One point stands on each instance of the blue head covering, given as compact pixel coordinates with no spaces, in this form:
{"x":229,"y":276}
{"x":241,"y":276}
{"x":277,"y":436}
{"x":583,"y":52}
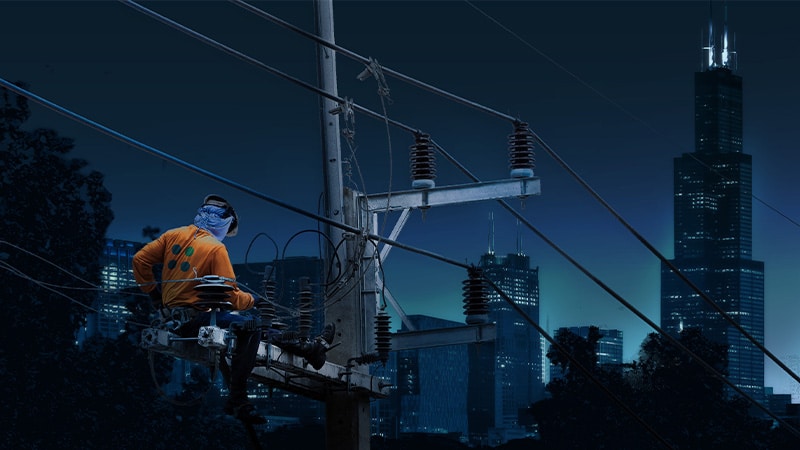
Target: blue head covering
{"x":209,"y":217}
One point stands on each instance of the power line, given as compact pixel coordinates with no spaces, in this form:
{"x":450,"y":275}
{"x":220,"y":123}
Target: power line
{"x":371,"y":236}
{"x":633,"y":231}
{"x":237,"y":54}
{"x":552,"y":153}
{"x":156,"y":152}
{"x":574,"y":361}
{"x":199,"y":170}
{"x":370,"y":61}
{"x":625,"y":303}
{"x":248,"y":59}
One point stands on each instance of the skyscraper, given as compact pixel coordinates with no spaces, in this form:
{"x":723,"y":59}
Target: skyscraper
{"x":505,"y":376}
{"x":713,"y":227}
{"x":429,"y":393}
{"x":116,"y":275}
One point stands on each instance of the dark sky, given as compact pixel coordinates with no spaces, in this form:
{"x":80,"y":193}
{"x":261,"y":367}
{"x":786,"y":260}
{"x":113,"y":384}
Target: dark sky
{"x":608,"y":85}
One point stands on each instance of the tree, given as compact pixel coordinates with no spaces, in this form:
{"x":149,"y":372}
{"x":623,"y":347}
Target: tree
{"x":702,"y":413}
{"x":681,"y":401}
{"x":54,"y":216}
{"x":580,"y":414}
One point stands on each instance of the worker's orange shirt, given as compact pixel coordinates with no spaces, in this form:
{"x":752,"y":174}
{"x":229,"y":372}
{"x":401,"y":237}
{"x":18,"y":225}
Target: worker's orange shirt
{"x":187,"y":253}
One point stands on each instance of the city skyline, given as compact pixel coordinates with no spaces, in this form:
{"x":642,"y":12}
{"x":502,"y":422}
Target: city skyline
{"x":614,"y":99}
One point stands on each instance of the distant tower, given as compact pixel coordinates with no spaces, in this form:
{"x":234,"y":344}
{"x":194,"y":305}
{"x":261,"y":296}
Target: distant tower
{"x":506,"y":375}
{"x":713,"y":227}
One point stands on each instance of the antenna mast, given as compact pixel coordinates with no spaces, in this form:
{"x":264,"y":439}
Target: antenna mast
{"x":491,"y":233}
{"x":710,"y":47}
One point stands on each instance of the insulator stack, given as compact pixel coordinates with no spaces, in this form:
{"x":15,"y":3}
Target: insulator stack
{"x":304,"y":320}
{"x":423,"y":162}
{"x":267,"y":309}
{"x":383,"y":336}
{"x":213,"y":290}
{"x":520,"y":151}
{"x":476,"y":299}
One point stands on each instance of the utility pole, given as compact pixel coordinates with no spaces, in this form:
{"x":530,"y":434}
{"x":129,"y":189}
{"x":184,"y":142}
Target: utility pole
{"x":352,"y":303}
{"x":347,"y":411}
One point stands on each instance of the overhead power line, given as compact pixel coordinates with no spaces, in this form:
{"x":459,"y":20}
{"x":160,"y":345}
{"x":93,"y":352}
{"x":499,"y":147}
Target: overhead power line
{"x":624,"y":302}
{"x":630,"y":228}
{"x":204,"y":172}
{"x":141,"y":146}
{"x":368,"y":61}
{"x":551,"y":152}
{"x":251,"y":60}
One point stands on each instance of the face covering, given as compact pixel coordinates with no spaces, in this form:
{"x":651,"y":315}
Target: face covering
{"x":209,"y":218}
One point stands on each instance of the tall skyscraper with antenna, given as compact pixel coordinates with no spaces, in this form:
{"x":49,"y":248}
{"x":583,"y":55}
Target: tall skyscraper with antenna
{"x":713,"y":226}
{"x":506,"y":375}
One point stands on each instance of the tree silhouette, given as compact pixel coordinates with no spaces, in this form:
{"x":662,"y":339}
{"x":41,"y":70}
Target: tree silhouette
{"x":669,"y":390}
{"x":54,"y":216}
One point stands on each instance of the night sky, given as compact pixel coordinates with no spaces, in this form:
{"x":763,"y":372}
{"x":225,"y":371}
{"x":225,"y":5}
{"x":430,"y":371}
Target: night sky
{"x":608,"y":85}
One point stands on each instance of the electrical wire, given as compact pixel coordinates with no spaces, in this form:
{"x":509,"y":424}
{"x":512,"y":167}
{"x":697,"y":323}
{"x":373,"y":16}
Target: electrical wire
{"x":3,"y":242}
{"x":668,"y":263}
{"x":355,"y":56}
{"x":19,"y":273}
{"x":103,"y":129}
{"x":54,"y":288}
{"x":708,"y":300}
{"x":620,"y":299}
{"x":636,"y":234}
{"x":575,"y":361}
{"x":237,"y":54}
{"x":212,"y":175}
{"x":614,"y":103}
{"x":267,"y":276}
{"x":367,"y":61}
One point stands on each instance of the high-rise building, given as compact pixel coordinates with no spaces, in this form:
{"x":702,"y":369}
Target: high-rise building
{"x":713,"y":228}
{"x":506,"y":376}
{"x":116,"y":276}
{"x":429,"y":393}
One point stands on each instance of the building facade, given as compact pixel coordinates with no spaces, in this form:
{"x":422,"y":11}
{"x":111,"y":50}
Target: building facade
{"x":713,"y":230}
{"x":429,"y":394}
{"x":116,"y":276}
{"x":506,"y":376}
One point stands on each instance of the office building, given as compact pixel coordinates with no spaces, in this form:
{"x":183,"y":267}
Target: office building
{"x":116,"y":276}
{"x":713,"y":228}
{"x":506,"y":376}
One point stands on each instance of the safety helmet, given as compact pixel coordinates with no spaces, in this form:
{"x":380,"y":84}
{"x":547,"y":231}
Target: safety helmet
{"x":216,"y":200}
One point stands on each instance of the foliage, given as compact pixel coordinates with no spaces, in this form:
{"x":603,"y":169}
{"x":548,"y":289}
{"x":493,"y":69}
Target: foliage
{"x":54,"y":218}
{"x":671,"y":399}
